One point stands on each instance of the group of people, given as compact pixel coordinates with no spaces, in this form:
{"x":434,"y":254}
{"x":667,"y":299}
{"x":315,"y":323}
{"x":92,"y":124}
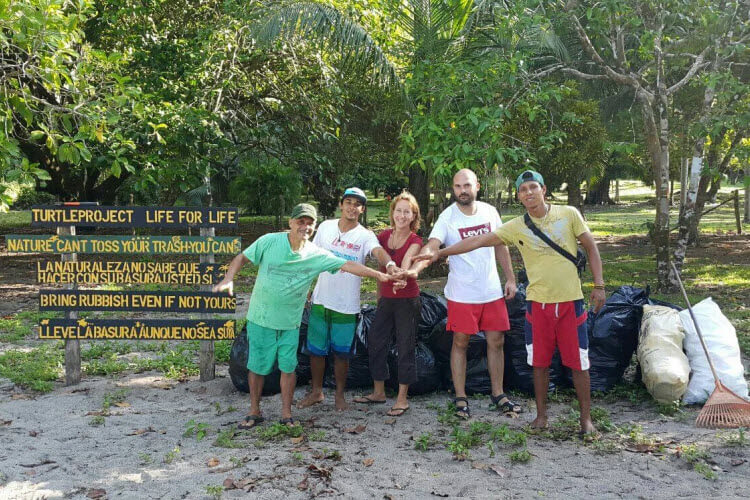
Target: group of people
{"x":472,"y":234}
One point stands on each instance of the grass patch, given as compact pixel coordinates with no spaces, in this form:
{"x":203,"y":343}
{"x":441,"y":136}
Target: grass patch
{"x":13,"y":329}
{"x":278,"y":431}
{"x":35,"y":369}
{"x":225,"y":439}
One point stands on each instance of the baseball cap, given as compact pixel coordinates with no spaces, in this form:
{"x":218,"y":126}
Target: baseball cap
{"x":355,"y":192}
{"x":304,"y":210}
{"x":529,"y":175}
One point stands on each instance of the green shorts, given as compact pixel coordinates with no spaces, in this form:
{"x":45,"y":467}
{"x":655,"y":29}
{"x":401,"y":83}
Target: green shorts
{"x":267,"y":345}
{"x":329,"y":330}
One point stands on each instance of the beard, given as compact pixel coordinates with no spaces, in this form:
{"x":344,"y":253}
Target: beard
{"x":465,"y":199}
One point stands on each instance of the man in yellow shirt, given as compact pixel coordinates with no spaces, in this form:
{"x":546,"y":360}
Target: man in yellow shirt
{"x":555,"y":313}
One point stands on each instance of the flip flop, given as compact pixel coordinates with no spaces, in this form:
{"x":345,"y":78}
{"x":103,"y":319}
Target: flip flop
{"x":397,"y":412}
{"x":367,"y":400}
{"x":289,"y":422}
{"x":250,"y":421}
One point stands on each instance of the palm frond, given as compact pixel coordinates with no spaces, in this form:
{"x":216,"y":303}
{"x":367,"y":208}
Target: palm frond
{"x":325,"y":24}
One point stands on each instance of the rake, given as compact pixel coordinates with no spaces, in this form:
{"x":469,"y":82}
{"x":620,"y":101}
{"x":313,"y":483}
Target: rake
{"x":724,"y":409}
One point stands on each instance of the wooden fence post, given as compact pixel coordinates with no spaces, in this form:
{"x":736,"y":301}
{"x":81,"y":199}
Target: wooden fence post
{"x":72,"y":346}
{"x":737,"y":210}
{"x":207,"y":364}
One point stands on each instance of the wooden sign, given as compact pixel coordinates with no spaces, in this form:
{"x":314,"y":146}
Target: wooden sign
{"x":108,"y":216}
{"x":105,"y":300}
{"x":132,"y":329}
{"x":123,"y":244}
{"x":135,"y":273}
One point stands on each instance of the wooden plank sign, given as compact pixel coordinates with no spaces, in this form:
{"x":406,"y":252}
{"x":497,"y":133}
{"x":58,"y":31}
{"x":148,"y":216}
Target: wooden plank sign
{"x":135,"y":273}
{"x":136,"y":329}
{"x":108,"y":216}
{"x":53,"y":243}
{"x":106,"y":300}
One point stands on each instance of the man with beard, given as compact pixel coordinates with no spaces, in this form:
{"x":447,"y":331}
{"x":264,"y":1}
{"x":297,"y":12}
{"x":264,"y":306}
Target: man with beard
{"x":476,"y":299}
{"x":336,"y":298}
{"x":287,"y":264}
{"x":555,"y":313}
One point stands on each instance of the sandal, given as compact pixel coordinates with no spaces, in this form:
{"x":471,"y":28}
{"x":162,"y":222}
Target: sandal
{"x":289,"y":422}
{"x":397,"y":412}
{"x":509,"y":407}
{"x":367,"y":400}
{"x":462,"y":411}
{"x":250,"y":421}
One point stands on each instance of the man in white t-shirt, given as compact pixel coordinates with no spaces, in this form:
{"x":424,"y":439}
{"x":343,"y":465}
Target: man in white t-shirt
{"x":476,"y":299}
{"x":336,"y":297}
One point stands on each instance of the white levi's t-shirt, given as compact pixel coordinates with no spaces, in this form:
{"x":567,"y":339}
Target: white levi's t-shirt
{"x":472,"y":277}
{"x":340,"y":292}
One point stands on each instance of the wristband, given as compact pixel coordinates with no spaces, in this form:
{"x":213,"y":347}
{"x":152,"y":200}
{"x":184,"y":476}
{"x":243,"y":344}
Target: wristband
{"x":599,"y":287}
{"x":389,"y":264}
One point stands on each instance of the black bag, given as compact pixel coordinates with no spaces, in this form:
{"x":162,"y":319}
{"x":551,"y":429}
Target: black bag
{"x":580,"y":258}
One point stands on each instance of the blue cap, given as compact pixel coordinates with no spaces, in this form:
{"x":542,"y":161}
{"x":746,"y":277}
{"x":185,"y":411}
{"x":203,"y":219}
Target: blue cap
{"x":529,"y":175}
{"x":355,"y":192}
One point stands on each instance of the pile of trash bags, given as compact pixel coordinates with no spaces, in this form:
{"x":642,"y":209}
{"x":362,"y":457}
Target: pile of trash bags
{"x":629,"y":323}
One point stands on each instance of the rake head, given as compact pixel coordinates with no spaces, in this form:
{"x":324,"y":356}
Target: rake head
{"x":724,"y":410}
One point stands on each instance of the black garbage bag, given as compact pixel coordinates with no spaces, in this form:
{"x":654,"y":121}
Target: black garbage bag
{"x":613,"y":335}
{"x":238,"y":368}
{"x":303,"y":359}
{"x":477,"y":377}
{"x":440,"y":342}
{"x":434,"y":310}
{"x":429,"y":371}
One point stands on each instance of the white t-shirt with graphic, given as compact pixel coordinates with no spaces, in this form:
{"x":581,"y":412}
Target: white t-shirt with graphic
{"x":472,"y":277}
{"x":340,"y":292}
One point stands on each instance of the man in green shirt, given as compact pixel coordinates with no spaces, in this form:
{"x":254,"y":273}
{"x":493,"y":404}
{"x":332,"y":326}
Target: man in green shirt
{"x":287,"y":265}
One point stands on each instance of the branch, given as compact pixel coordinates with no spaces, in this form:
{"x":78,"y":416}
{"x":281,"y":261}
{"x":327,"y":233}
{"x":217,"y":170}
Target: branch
{"x":697,"y":65}
{"x":584,"y":76}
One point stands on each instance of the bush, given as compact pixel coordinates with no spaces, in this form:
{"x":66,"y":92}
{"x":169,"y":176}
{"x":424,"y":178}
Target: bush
{"x":266,"y":188}
{"x":30,"y":197}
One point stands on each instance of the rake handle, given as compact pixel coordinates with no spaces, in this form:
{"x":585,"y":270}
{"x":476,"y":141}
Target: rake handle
{"x":695,"y":323}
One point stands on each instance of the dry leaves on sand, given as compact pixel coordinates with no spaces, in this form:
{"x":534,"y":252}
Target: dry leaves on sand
{"x":368,"y":462}
{"x":356,"y":430}
{"x":318,"y":471}
{"x":138,"y":432}
{"x":212,"y":462}
{"x":96,"y":493}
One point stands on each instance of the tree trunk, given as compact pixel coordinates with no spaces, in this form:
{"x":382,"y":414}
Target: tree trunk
{"x":688,"y":212}
{"x":599,"y":192}
{"x":419,"y":186}
{"x":574,"y":195}
{"x":747,"y":194}
{"x":657,"y":140}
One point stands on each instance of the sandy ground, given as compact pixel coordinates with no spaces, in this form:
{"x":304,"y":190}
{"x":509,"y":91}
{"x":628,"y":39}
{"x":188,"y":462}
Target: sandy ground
{"x":50,"y":450}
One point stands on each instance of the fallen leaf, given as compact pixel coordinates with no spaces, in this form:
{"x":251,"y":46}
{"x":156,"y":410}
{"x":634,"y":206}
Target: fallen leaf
{"x":213,"y":462}
{"x":162,"y":385}
{"x":228,"y":484}
{"x":33,"y":434}
{"x":6,"y":422}
{"x":303,"y":485}
{"x":243,"y":483}
{"x":738,"y":461}
{"x":390,"y":421}
{"x":297,"y":440}
{"x":96,"y":493}
{"x":500,"y":471}
{"x":356,"y":430}
{"x":138,"y":432}
{"x":641,"y":448}
{"x":479,"y":465}
{"x":20,"y":396}
{"x":323,"y":472}
{"x":368,"y":462}
{"x":122,"y":404}
{"x":99,"y":413}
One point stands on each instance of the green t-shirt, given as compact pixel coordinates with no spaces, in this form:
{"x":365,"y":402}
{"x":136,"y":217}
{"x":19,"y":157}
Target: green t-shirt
{"x":552,"y":277}
{"x":284,"y":278}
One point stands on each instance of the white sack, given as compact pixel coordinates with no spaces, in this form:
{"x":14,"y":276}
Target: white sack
{"x":664,"y":366}
{"x":721,"y":339}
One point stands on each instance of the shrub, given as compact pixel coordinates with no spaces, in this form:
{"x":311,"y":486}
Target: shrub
{"x":260,"y":188}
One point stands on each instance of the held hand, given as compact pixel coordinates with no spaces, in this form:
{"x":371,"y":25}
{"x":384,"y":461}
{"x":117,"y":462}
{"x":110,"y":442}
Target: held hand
{"x":598,"y":297}
{"x":510,"y":289}
{"x":432,"y":257}
{"x":398,"y":285}
{"x":394,"y":270}
{"x":224,"y":285}
{"x":384,"y":278}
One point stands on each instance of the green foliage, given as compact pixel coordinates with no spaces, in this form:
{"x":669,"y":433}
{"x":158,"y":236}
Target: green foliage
{"x":424,"y":442}
{"x":35,"y":369}
{"x":214,"y":490}
{"x":171,"y":456}
{"x":13,"y":329}
{"x":278,"y":431}
{"x":198,"y":429}
{"x":520,"y":456}
{"x":225,"y":439}
{"x":266,"y":188}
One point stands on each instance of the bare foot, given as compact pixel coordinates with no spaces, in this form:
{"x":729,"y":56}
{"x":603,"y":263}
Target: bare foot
{"x":539,"y":423}
{"x":341,"y":404}
{"x":587,"y":428}
{"x":310,"y":399}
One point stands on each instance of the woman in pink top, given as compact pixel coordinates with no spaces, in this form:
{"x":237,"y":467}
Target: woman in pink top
{"x":399,"y":308}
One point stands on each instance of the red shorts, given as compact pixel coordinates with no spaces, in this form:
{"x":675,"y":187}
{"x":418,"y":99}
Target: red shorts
{"x":473,"y":318}
{"x":563,"y":325}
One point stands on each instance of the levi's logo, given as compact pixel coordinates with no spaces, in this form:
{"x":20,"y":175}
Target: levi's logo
{"x":466,"y":232}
